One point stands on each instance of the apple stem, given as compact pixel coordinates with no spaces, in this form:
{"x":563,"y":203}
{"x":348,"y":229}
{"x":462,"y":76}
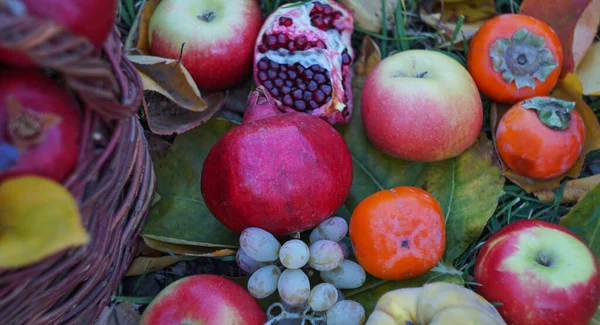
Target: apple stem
{"x":208,"y":17}
{"x":543,"y":259}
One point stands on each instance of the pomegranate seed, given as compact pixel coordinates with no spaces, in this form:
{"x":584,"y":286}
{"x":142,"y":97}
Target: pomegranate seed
{"x":282,"y":75}
{"x":308,"y":74}
{"x":285,"y":90}
{"x":299,"y":67}
{"x":307,"y":96}
{"x":297,"y":94}
{"x":327,"y":21}
{"x":313,"y":104}
{"x":291,"y":46}
{"x":284,"y":68}
{"x":263,"y":64}
{"x":337,"y":15}
{"x":282,"y":39}
{"x":326,"y":89}
{"x":301,"y":42}
{"x":275,"y":92}
{"x":346,"y":58}
{"x":327,"y":9}
{"x":268,"y":84}
{"x":274,"y":65}
{"x":319,"y":97}
{"x":312,"y":85}
{"x":272,"y":74}
{"x":317,"y":8}
{"x":316,"y":68}
{"x":285,"y":21}
{"x":292,"y":74}
{"x":262,"y":76}
{"x":289,"y":83}
{"x":278,"y":82}
{"x":262,"y":48}
{"x":319,"y":78}
{"x":300,"y":105}
{"x":301,"y":84}
{"x":320,"y":44}
{"x":271,"y":41}
{"x":317,"y":21}
{"x":327,"y":99}
{"x":287,"y":100}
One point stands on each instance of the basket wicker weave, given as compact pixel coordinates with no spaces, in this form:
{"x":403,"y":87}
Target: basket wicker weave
{"x":113,"y":182}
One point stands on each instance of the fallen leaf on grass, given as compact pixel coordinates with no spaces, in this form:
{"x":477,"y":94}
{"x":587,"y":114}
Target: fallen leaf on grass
{"x":138,"y":35}
{"x":368,"y":13}
{"x":181,"y":216}
{"x":573,"y":192}
{"x":38,"y":217}
{"x":584,"y":220}
{"x":588,"y":71}
{"x":564,"y":16}
{"x":570,"y":89}
{"x":143,"y":264}
{"x":369,"y":57}
{"x":187,"y":250}
{"x":467,"y":187}
{"x":444,"y":16}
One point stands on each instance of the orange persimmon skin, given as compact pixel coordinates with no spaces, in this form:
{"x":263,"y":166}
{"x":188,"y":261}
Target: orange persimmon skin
{"x":482,"y":70}
{"x":532,"y":149}
{"x":398,"y":233}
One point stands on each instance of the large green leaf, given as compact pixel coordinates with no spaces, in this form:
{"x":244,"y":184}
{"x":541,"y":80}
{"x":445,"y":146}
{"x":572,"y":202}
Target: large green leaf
{"x":467,"y":187}
{"x":181,"y":216}
{"x":584,"y":220}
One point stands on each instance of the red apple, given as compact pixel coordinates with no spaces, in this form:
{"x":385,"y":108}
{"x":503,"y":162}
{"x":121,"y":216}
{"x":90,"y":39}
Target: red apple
{"x":91,"y":19}
{"x":421,"y":105}
{"x":204,"y":299}
{"x":541,"y":273}
{"x":219,"y":37}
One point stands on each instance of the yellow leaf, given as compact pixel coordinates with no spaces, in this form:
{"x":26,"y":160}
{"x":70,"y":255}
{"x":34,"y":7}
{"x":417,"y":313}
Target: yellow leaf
{"x":585,"y":31}
{"x":574,"y":190}
{"x":443,"y":16}
{"x":138,"y":35}
{"x":188,"y":250}
{"x":370,"y":56}
{"x":568,"y":88}
{"x":588,"y":71}
{"x":144,"y":264}
{"x":38,"y":217}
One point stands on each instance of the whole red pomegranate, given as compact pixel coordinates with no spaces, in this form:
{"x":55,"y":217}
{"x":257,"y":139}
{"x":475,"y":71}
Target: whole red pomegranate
{"x":279,"y":171}
{"x":39,"y":120}
{"x":91,"y":19}
{"x":303,"y":56}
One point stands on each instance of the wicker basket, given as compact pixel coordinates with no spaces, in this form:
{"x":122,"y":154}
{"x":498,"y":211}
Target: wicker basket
{"x":113,"y":182}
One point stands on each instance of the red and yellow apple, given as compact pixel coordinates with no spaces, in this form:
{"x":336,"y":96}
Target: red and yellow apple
{"x":219,"y":37}
{"x":204,"y":299}
{"x":421,"y":105}
{"x":540,"y":273}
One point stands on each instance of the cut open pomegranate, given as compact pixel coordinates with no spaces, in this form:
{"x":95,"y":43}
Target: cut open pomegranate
{"x":303,"y":57}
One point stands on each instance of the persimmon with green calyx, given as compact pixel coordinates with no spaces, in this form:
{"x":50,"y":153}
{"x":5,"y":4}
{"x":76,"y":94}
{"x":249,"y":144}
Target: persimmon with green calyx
{"x":540,"y":138}
{"x":514,"y":57}
{"x":40,"y":126}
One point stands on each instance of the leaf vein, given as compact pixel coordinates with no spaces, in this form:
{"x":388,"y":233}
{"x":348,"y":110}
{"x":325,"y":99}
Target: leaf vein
{"x":451,"y":191}
{"x":359,"y":164}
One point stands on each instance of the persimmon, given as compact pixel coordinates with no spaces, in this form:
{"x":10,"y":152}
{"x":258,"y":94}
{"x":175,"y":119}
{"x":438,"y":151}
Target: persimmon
{"x":514,"y":57}
{"x":541,"y":137}
{"x":398,"y":233}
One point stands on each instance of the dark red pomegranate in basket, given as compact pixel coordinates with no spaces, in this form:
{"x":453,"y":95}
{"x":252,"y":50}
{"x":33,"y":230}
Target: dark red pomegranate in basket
{"x":303,"y":57}
{"x":280,"y":171}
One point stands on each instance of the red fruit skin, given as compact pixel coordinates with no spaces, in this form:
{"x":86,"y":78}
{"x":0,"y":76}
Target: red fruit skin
{"x":91,"y":19}
{"x":214,"y":64}
{"x":283,"y":173}
{"x":204,"y":299}
{"x":526,"y":300}
{"x":57,"y":155}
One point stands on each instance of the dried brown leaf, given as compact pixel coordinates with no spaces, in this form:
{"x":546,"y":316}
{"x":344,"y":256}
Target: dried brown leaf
{"x":138,"y":35}
{"x":367,"y":13}
{"x":585,"y":31}
{"x":143,"y":264}
{"x":573,"y":192}
{"x":588,"y":71}
{"x":119,"y":314}
{"x":369,"y":57}
{"x":444,"y":15}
